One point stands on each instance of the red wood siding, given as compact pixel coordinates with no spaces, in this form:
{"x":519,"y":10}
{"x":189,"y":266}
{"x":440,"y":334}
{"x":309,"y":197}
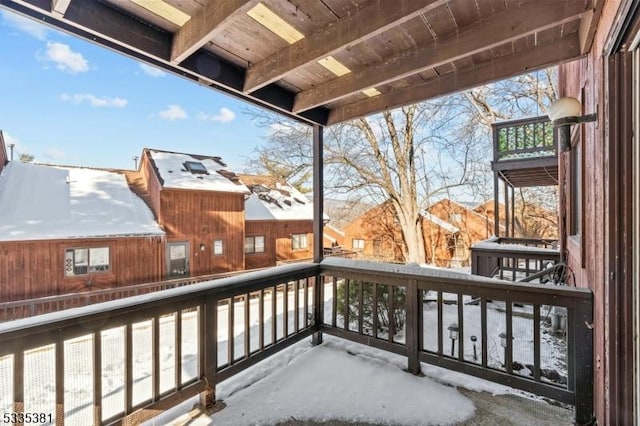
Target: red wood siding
{"x":30,"y":269}
{"x":588,"y":256}
{"x":277,"y":242}
{"x":200,"y":217}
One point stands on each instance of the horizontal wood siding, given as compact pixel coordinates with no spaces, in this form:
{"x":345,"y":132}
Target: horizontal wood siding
{"x":30,"y":269}
{"x":199,"y":218}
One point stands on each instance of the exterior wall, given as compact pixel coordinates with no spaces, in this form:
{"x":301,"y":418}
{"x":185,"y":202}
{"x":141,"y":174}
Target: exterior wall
{"x":473,"y":226}
{"x":30,"y":269}
{"x":277,"y":240}
{"x":4,"y":158}
{"x":383,"y":238}
{"x":487,"y":209}
{"x":589,"y":255}
{"x":152,"y":182}
{"x":200,"y":217}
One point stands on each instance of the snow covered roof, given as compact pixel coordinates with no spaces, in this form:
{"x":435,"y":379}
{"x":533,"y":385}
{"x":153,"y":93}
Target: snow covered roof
{"x":441,"y":223}
{"x":174,"y":170}
{"x":272,"y":200}
{"x":48,"y":202}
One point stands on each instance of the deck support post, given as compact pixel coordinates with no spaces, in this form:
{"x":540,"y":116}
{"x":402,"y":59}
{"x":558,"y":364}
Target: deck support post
{"x":413,"y":326}
{"x":581,"y":335}
{"x":318,"y":227}
{"x":208,"y":349}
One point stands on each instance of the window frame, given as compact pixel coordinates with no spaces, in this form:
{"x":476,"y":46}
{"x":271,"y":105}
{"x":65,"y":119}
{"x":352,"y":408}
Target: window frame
{"x":298,"y":246}
{"x":213,"y":247}
{"x":253,"y":244}
{"x":90,"y":269}
{"x":353,"y":245}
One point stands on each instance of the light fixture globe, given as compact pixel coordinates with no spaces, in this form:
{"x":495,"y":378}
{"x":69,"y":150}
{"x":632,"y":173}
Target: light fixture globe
{"x":565,"y":107}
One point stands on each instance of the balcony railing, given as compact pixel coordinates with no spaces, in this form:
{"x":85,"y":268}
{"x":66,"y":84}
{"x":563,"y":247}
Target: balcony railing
{"x":524,"y":139}
{"x":513,"y":259}
{"x":126,"y":360}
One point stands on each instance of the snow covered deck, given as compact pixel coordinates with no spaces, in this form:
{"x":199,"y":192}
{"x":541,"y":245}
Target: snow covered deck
{"x":134,"y":358}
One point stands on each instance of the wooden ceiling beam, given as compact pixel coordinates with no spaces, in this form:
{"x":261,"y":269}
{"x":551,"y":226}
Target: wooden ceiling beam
{"x":202,"y":26}
{"x":348,"y":31}
{"x":483,"y":35}
{"x":497,"y":69}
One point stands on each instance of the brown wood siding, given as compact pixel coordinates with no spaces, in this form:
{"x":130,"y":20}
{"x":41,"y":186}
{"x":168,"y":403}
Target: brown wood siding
{"x":152,"y":182}
{"x":277,"y":242}
{"x":30,"y":269}
{"x":589,"y":255}
{"x":200,"y":217}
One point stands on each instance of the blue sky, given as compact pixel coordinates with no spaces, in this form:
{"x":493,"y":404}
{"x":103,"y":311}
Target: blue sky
{"x":67,"y":101}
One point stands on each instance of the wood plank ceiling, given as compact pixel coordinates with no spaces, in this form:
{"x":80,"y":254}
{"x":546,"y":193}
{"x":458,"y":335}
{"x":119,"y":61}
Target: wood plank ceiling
{"x":326,"y":61}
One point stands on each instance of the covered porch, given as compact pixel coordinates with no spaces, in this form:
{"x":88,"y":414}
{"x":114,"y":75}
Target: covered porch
{"x":319,"y":63}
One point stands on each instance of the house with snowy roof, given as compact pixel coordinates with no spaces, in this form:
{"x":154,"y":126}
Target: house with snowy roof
{"x":278,"y":222}
{"x":199,"y":203}
{"x":376,"y":235}
{"x":71,"y":229}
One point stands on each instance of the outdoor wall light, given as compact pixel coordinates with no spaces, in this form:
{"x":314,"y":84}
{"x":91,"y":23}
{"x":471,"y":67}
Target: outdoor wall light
{"x":565,"y":112}
{"x":202,"y":247}
{"x":453,"y":335}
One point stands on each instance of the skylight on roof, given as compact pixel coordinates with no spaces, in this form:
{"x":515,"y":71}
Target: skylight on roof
{"x":196,"y":167}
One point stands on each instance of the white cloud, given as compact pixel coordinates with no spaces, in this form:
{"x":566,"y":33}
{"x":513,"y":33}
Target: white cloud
{"x":152,"y":71}
{"x":55,"y":154}
{"x":173,"y":112}
{"x":66,"y":59}
{"x":225,"y":115}
{"x":24,"y":25}
{"x":94,"y":101}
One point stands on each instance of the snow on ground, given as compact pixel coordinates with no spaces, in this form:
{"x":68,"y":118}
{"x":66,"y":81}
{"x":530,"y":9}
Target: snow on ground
{"x":46,"y":202}
{"x":337,"y":380}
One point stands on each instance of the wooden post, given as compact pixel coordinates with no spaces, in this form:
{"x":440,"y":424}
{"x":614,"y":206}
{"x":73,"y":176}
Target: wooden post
{"x":582,"y":361}
{"x":318,"y":225}
{"x":208,"y":336}
{"x":413,"y":326}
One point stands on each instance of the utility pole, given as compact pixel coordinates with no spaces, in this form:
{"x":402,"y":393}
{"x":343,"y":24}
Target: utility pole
{"x":11,"y":145}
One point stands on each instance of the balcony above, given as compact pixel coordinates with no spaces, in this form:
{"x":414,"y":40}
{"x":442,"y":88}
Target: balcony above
{"x":525,"y":152}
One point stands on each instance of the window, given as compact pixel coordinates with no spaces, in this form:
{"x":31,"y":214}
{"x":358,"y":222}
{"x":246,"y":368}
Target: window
{"x":455,"y":217}
{"x":85,"y":261}
{"x":196,"y":167}
{"x":298,"y":241}
{"x":218,"y":247}
{"x":575,"y":222}
{"x":357,"y":244}
{"x":254,"y":244}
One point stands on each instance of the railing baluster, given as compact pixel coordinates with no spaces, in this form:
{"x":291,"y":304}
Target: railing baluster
{"x":508,"y":361}
{"x":230,"y":330}
{"x":360,"y":307}
{"x":440,"y":324}
{"x":274,"y":314}
{"x":59,"y":368}
{"x":18,"y":381}
{"x":285,"y":310}
{"x":334,"y":313}
{"x":413,"y":307}
{"x":460,"y":328}
{"x":97,"y":378}
{"x":208,"y":349}
{"x":261,"y":321}
{"x":347,"y":303}
{"x":128,"y":380}
{"x":178,"y":350}
{"x":536,"y":342}
{"x":375,"y":310}
{"x":306,"y":302}
{"x":247,"y":327}
{"x":483,"y":326}
{"x":155,"y":357}
{"x":296,"y":302}
{"x":392,"y":311}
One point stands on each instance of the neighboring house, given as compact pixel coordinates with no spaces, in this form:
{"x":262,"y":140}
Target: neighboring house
{"x":4,"y":159}
{"x":200,"y":205}
{"x":487,"y":209}
{"x":473,"y":226}
{"x":531,"y":220}
{"x":71,"y":229}
{"x":376,"y":235}
{"x":278,"y":223}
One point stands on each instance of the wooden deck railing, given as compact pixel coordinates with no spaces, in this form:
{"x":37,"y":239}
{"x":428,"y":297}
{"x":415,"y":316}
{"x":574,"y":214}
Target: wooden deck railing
{"x":25,"y":308}
{"x":126,"y":360}
{"x":513,"y":258}
{"x":522,"y":139}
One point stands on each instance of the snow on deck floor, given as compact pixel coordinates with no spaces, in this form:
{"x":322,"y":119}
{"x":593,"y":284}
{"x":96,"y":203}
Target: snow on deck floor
{"x":338,"y":380}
